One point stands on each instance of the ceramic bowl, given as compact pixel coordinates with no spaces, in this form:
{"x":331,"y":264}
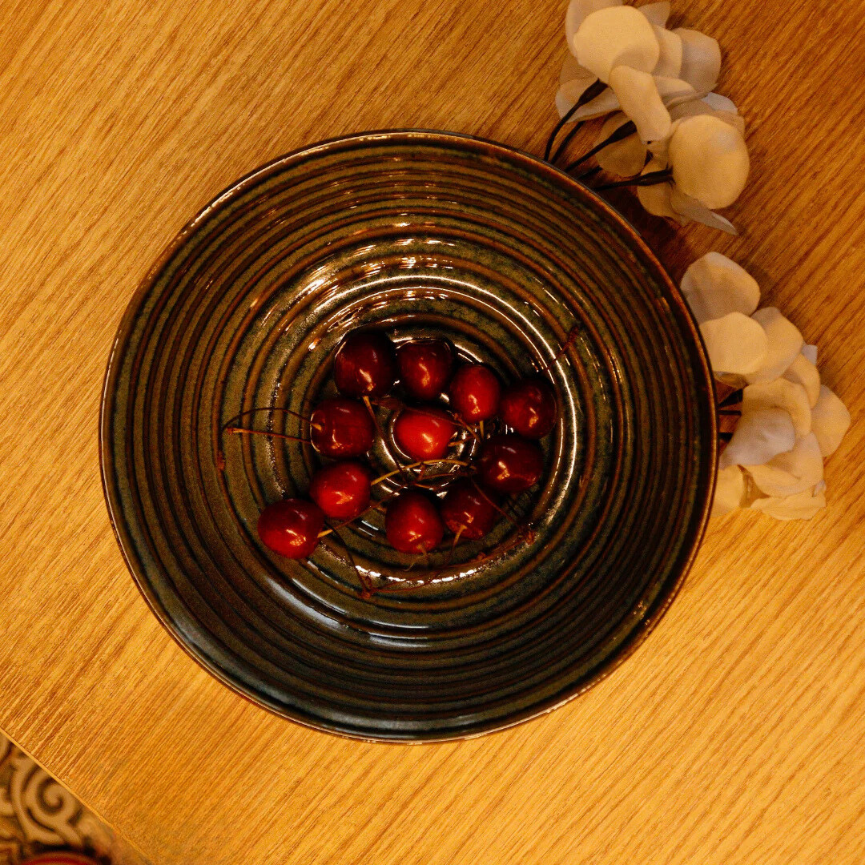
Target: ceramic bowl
{"x":418,"y":233}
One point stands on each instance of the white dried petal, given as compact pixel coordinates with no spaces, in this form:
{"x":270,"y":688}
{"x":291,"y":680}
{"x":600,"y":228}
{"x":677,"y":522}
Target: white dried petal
{"x":715,"y":286}
{"x":638,"y":95}
{"x":784,"y":341}
{"x":801,"y":506}
{"x":658,"y":149}
{"x":684,"y":95}
{"x":577,"y":12}
{"x":670,"y":87}
{"x":624,"y":158}
{"x":674,"y":92}
{"x":657,"y":13}
{"x":694,"y":107}
{"x":571,"y":70}
{"x":759,"y":437}
{"x":709,"y":159}
{"x":784,"y":394}
{"x":611,"y":124}
{"x":670,"y":60}
{"x":570,"y":92}
{"x":734,"y":343}
{"x":803,"y":372}
{"x":616,"y":36}
{"x":694,"y":211}
{"x":791,"y":472}
{"x":720,"y":103}
{"x":729,"y":491}
{"x":603,"y":103}
{"x":656,"y":198}
{"x":673,"y":89}
{"x":810,"y":352}
{"x":701,"y":58}
{"x":830,"y":420}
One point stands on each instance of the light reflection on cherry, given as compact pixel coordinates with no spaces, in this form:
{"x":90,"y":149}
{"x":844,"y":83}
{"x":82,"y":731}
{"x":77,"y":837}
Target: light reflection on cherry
{"x":425,"y":367}
{"x":413,"y":523}
{"x":475,"y":392}
{"x":341,"y":428}
{"x":342,"y":490}
{"x":424,"y":433}
{"x":291,"y":527}
{"x":529,"y":407}
{"x":365,"y":364}
{"x":510,"y":464}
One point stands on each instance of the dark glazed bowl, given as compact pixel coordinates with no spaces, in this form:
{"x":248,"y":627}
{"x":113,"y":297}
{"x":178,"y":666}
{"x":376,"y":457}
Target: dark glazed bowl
{"x":418,"y":233}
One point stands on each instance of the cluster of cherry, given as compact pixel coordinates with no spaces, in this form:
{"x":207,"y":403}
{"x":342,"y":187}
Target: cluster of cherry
{"x":366,"y":368}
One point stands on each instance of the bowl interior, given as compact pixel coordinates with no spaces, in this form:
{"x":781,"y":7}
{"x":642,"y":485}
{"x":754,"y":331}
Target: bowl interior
{"x":420,"y":234}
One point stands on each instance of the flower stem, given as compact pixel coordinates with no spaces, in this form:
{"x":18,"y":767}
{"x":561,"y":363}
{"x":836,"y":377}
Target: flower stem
{"x":594,"y":90}
{"x":625,"y":130}
{"x":650,"y":179}
{"x":590,"y":173}
{"x":235,"y":430}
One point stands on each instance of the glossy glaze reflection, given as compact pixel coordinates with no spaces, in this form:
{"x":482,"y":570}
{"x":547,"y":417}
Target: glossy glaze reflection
{"x":424,"y":234}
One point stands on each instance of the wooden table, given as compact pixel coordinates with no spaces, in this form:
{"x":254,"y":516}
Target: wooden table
{"x":733,"y":736}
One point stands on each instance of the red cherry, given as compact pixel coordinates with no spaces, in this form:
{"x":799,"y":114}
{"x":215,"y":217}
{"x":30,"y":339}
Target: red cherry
{"x":365,"y":364}
{"x":341,"y":428}
{"x":424,"y":434}
{"x":291,"y":527}
{"x":425,"y":367}
{"x":412,"y":523}
{"x":529,"y":408}
{"x":342,"y":490}
{"x":510,"y":464}
{"x":475,"y":392}
{"x":469,"y":510}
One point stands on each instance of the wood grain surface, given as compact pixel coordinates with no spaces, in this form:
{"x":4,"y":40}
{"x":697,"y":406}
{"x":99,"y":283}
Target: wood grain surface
{"x":734,"y":735}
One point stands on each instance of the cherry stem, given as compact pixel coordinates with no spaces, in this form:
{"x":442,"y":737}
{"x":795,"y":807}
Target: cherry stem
{"x":573,"y":333}
{"x":373,"y":415}
{"x":504,"y":513}
{"x":384,"y":477}
{"x":421,"y":463}
{"x":380,"y":431}
{"x":398,"y":405}
{"x":417,"y":583}
{"x":325,"y":532}
{"x":237,"y":417}
{"x":525,"y":534}
{"x":367,"y":588}
{"x":516,"y":516}
{"x":454,"y":543}
{"x":236,"y":430}
{"x":452,"y":475}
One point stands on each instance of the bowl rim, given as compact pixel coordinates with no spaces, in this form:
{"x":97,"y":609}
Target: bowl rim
{"x":489,"y":147}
